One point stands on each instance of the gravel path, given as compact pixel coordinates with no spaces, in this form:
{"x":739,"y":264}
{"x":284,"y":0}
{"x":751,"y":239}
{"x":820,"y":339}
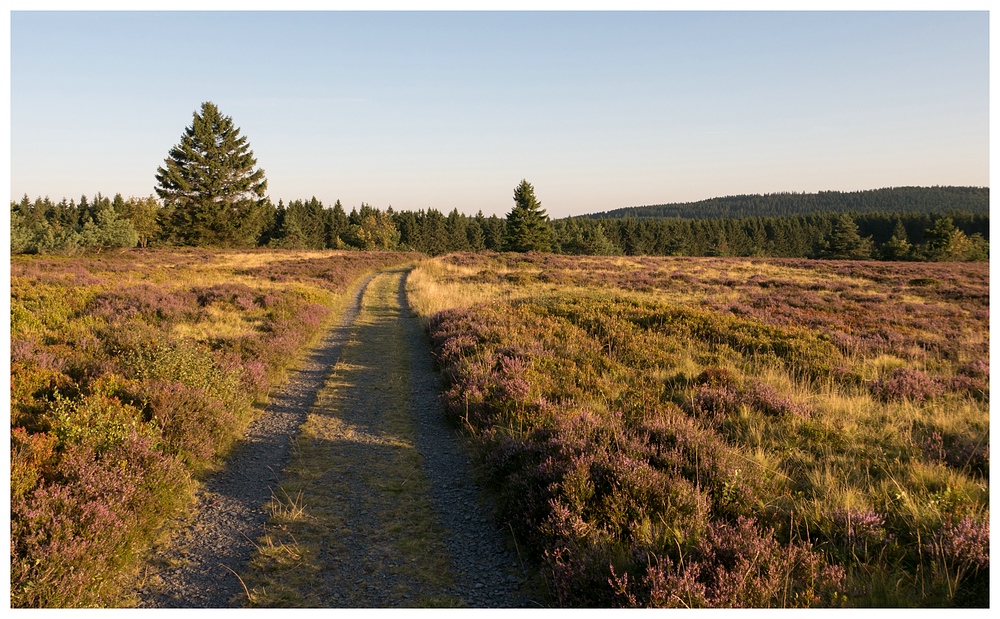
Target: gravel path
{"x":486,"y":572}
{"x":361,"y":565}
{"x":200,"y":569}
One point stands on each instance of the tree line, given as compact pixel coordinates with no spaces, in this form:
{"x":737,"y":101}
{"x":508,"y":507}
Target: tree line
{"x":67,"y":226}
{"x":210,"y":193}
{"x":926,"y":200}
{"x":888,"y":236}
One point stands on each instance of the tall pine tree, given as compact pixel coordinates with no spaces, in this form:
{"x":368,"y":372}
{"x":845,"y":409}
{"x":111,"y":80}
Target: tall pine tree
{"x":210,"y":183}
{"x":527,"y":224}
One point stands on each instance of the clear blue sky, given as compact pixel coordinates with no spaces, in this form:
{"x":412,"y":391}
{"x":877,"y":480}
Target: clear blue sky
{"x":444,"y":110}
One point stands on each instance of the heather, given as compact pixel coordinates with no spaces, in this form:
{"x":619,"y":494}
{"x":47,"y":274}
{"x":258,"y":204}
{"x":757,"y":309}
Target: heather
{"x":720,"y":432}
{"x":132,"y":375}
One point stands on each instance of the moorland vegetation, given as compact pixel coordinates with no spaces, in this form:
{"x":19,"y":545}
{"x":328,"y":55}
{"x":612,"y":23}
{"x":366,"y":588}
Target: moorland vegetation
{"x":722,"y":432}
{"x":132,"y":374}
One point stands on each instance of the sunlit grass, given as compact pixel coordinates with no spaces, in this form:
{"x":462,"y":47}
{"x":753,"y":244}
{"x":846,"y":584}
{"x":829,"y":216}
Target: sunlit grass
{"x":133,"y":374}
{"x":815,"y":396}
{"x":219,"y":323}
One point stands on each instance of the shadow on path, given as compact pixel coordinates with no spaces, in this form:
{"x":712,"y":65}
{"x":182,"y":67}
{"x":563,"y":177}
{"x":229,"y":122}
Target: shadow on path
{"x":200,"y":569}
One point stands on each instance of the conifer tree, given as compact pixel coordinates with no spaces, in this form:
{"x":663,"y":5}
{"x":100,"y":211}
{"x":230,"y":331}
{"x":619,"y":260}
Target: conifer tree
{"x":337,"y":226}
{"x":844,"y":240}
{"x":597,"y":243}
{"x":211,"y":185}
{"x":493,"y":231}
{"x":433,"y":233}
{"x":941,"y":239}
{"x":527,"y":224}
{"x":458,"y":239}
{"x":474,"y":235}
{"x":898,"y":247}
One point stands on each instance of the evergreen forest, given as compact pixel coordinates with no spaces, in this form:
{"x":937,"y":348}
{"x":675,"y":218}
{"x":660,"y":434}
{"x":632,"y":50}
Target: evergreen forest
{"x":917,"y":224}
{"x":889,"y":199}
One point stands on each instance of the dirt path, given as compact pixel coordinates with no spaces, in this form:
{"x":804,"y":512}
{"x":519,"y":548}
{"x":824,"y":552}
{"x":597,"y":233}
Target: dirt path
{"x":377,"y":505}
{"x":199,"y":569}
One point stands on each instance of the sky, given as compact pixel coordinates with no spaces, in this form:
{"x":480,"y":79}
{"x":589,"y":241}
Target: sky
{"x":443,"y":109}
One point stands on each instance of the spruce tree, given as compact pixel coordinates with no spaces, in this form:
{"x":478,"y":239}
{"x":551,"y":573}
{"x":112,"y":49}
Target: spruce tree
{"x":337,"y":226}
{"x":434,"y":233}
{"x":898,"y":247}
{"x":493,"y":231}
{"x":844,"y":240}
{"x":527,"y":224}
{"x":210,"y":183}
{"x":474,"y":235}
{"x":455,"y":225}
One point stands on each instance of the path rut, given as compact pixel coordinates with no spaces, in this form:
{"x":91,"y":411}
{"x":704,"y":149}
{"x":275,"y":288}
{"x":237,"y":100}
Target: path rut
{"x":360,"y":565}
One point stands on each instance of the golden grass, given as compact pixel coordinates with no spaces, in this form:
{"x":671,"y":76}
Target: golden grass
{"x":432,"y":287}
{"x":254,"y":259}
{"x":220,"y":323}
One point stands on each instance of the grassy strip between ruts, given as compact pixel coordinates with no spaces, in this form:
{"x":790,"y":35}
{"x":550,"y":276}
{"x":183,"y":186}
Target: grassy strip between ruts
{"x":355,"y":475}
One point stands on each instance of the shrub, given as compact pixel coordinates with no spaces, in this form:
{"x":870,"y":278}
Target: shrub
{"x":906,"y":384}
{"x":90,"y":519}
{"x":146,"y":301}
{"x":240,"y":295}
{"x":735,"y":566}
{"x":961,"y":557}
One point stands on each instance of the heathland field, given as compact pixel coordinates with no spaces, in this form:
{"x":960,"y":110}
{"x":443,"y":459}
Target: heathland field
{"x":725,"y":431}
{"x":711,"y":432}
{"x":132,"y":374}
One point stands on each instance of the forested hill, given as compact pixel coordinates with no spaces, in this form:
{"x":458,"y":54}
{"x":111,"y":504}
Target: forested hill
{"x":925,"y":200}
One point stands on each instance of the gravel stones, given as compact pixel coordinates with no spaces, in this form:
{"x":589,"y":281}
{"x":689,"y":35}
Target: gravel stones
{"x":200,"y":570}
{"x":487,"y":573}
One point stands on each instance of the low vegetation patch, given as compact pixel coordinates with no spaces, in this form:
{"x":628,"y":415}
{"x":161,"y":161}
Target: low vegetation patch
{"x":726,"y":432}
{"x":132,"y":374}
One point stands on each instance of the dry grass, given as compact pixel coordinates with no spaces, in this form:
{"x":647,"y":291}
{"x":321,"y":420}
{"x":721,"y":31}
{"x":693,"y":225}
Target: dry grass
{"x":103,"y":343}
{"x":219,"y":323}
{"x":855,"y":448}
{"x":434,"y":286}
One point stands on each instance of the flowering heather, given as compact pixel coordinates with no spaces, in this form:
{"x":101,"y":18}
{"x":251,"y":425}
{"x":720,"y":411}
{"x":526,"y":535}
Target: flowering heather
{"x":907,"y":384}
{"x":965,"y":544}
{"x":965,"y":452}
{"x":719,"y":401}
{"x":700,"y":432}
{"x":130,"y":375}
{"x":583,"y":480}
{"x":118,"y":495}
{"x":858,"y":531}
{"x":334,"y":272}
{"x":736,"y":566}
{"x":240,"y":295}
{"x":146,"y":302}
{"x":980,"y":368}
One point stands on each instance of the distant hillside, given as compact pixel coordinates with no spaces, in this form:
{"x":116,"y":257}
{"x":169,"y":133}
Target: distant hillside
{"x":892,"y":200}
